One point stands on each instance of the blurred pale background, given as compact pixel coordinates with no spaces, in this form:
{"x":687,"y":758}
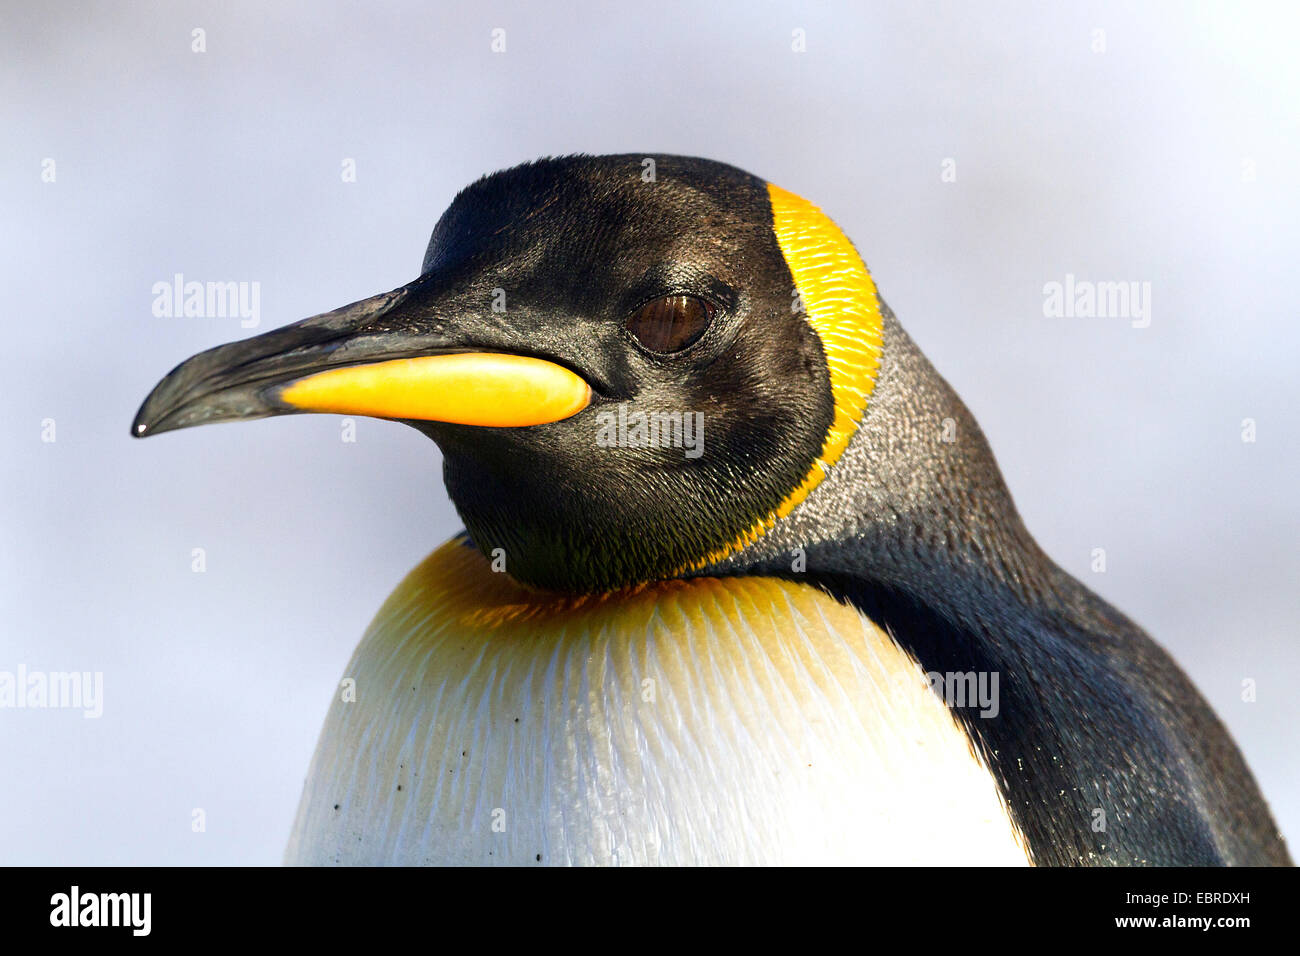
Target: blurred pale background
{"x":1170,"y":157}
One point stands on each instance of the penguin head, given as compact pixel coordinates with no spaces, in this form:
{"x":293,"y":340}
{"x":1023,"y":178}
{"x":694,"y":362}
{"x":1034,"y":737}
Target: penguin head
{"x":633,"y":365}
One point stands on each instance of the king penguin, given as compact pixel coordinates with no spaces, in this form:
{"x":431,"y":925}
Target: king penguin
{"x":741,"y":582}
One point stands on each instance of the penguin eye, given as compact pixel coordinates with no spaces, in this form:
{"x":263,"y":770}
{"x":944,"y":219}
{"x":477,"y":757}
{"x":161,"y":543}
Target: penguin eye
{"x":671,"y":323}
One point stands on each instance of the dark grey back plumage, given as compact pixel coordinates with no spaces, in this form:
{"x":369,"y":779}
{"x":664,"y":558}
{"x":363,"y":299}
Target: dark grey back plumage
{"x":1095,"y":719}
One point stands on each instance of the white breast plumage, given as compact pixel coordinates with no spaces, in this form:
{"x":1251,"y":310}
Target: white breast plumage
{"x":713,"y":721}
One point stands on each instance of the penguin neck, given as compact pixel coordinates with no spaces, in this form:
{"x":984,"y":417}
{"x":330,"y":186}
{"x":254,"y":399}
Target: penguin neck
{"x":916,"y":501}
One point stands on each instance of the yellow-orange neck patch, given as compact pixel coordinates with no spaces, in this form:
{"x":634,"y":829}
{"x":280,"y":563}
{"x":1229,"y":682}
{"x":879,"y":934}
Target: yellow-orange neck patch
{"x":840,"y":303}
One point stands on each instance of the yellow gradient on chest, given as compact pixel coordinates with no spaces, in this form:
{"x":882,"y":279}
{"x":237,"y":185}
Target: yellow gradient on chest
{"x":840,"y":303}
{"x":716,"y":720}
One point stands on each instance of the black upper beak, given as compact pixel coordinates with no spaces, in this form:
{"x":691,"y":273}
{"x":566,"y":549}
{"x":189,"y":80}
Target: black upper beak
{"x":240,"y":381}
{"x":428,"y":350}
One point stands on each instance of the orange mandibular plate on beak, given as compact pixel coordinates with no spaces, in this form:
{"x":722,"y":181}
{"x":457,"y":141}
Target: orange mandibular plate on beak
{"x":471,"y":388}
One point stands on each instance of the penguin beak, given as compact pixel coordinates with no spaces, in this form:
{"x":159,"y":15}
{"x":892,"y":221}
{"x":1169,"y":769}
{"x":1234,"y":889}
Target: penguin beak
{"x":364,"y":359}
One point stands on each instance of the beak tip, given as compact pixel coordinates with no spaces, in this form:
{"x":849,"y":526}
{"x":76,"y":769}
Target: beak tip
{"x":148,"y":422}
{"x":141,"y":427}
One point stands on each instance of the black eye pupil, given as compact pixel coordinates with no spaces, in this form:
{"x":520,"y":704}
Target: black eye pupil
{"x":671,"y":323}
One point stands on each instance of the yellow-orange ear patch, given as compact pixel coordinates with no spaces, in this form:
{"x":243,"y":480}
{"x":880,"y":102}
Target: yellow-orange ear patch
{"x":840,"y":303}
